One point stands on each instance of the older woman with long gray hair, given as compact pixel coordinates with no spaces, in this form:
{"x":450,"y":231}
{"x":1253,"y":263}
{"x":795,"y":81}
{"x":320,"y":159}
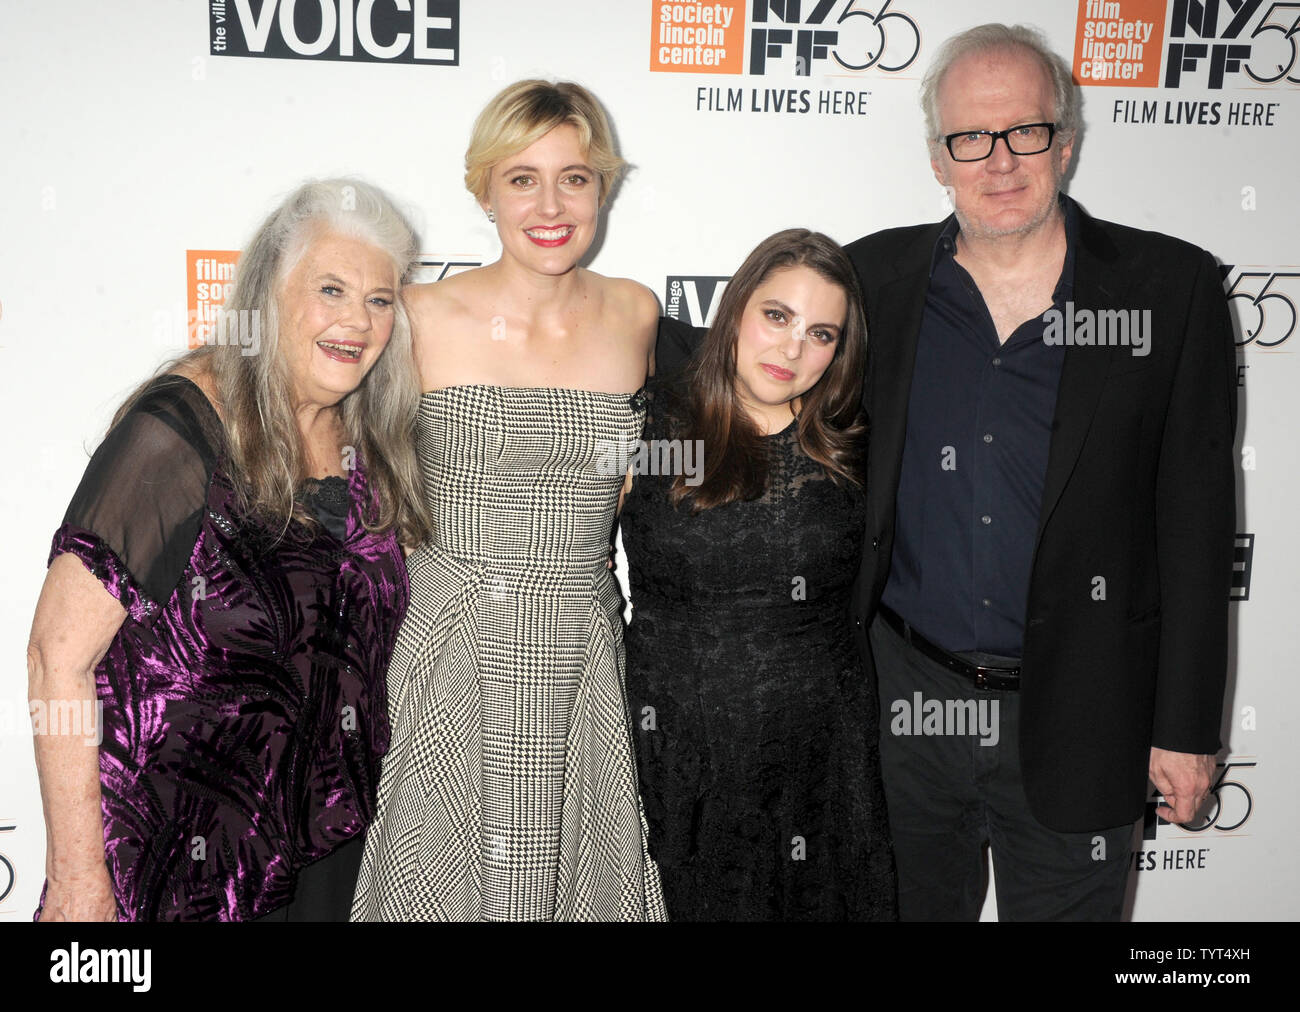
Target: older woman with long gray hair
{"x":227,"y":584}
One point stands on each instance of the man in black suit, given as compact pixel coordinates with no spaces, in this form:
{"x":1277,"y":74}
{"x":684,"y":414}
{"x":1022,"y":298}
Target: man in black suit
{"x":1051,"y":492}
{"x":1044,"y":587}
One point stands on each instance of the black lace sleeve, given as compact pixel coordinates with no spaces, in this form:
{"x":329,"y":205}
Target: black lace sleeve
{"x":666,"y":397}
{"x":143,"y":494}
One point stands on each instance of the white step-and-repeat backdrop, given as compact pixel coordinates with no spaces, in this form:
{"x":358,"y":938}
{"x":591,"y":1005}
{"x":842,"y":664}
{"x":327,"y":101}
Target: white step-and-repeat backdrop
{"x":144,"y":140}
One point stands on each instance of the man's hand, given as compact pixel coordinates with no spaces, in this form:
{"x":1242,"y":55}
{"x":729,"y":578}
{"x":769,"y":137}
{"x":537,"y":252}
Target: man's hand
{"x":1184,"y":780}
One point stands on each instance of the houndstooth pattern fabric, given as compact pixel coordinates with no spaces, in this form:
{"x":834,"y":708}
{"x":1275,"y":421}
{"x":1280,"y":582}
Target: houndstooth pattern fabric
{"x":509,"y":789}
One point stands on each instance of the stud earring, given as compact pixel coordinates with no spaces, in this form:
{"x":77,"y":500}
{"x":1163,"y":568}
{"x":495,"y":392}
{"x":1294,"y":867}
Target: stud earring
{"x":492,"y":216}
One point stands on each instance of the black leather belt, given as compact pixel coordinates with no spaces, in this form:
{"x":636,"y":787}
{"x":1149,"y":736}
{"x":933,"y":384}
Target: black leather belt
{"x":983,"y":677}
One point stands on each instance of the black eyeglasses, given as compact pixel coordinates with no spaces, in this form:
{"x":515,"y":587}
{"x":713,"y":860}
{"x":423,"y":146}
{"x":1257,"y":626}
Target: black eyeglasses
{"x":976,"y":145}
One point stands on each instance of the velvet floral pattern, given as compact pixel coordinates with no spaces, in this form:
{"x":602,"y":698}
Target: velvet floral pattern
{"x":245,"y":716}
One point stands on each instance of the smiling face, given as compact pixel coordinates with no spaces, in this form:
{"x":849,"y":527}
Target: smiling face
{"x":336,"y":316}
{"x":786,"y":339}
{"x":1005,"y":194}
{"x":547,"y":200}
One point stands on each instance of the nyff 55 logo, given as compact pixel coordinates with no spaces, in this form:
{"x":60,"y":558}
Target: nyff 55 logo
{"x":1226,"y":810}
{"x":848,"y":35}
{"x":1265,"y":303}
{"x":368,"y":31}
{"x":1243,"y":557}
{"x":7,"y":874}
{"x":1211,"y":41}
{"x":785,"y":37}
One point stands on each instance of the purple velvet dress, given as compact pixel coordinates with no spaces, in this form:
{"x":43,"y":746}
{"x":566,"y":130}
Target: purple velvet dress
{"x":245,"y":711}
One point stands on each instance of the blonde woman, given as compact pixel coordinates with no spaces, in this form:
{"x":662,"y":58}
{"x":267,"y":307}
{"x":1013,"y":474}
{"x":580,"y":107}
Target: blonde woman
{"x":510,"y":792}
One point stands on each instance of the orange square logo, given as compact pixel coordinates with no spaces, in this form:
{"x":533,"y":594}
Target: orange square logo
{"x":209,"y":277}
{"x":1118,"y":43}
{"x":695,"y":37}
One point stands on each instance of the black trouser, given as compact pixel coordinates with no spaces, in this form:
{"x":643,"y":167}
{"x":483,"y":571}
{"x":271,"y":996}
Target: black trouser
{"x":949,"y":795}
{"x":324,"y":889}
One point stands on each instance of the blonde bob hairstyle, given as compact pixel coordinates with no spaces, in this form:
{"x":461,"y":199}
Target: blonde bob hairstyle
{"x":525,"y":112}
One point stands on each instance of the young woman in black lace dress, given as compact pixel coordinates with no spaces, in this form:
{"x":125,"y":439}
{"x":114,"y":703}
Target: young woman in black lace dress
{"x":755,"y":725}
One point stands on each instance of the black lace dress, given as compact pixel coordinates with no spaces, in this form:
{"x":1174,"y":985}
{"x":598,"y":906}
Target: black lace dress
{"x":755,"y":725}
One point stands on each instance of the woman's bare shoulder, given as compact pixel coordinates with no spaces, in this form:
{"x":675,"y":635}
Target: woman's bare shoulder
{"x":456,"y":294}
{"x":627,"y":299}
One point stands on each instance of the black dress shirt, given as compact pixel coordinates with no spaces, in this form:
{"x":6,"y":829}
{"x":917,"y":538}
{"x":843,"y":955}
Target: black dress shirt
{"x":979,"y":422}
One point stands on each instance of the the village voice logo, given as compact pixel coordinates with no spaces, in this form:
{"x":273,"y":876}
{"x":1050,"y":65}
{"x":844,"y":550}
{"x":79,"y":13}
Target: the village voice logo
{"x":365,"y":31}
{"x":694,"y":299}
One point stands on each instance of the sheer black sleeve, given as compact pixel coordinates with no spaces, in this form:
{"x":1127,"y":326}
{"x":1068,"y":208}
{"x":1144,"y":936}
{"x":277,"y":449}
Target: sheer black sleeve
{"x":667,"y":395}
{"x":136,"y":515}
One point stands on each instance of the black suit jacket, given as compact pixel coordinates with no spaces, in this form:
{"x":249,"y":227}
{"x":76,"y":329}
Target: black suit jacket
{"x":1140,"y":490}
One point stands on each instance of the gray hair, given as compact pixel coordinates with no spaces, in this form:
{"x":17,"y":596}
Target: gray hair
{"x":350,"y":207}
{"x":264,"y":451}
{"x":994,"y":38}
{"x":379,"y":416}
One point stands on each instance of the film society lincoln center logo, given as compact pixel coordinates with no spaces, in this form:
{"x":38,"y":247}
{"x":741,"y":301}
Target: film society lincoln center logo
{"x":1211,"y":44}
{"x":366,"y":31}
{"x":209,"y":279}
{"x":803,"y":38}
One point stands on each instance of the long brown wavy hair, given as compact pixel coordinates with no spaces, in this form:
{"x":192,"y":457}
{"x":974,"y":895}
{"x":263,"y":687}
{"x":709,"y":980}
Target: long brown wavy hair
{"x":830,"y":427}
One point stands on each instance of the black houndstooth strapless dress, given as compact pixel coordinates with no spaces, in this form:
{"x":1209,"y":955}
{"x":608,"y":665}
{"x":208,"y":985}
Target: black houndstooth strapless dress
{"x":509,"y":789}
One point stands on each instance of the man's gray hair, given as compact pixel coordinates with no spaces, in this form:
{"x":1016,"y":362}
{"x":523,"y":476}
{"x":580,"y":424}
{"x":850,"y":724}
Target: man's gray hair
{"x":993,"y":38}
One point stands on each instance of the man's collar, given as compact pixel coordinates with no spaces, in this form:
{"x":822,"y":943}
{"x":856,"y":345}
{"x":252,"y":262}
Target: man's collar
{"x":946,"y":244}
{"x":1070,"y":210}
